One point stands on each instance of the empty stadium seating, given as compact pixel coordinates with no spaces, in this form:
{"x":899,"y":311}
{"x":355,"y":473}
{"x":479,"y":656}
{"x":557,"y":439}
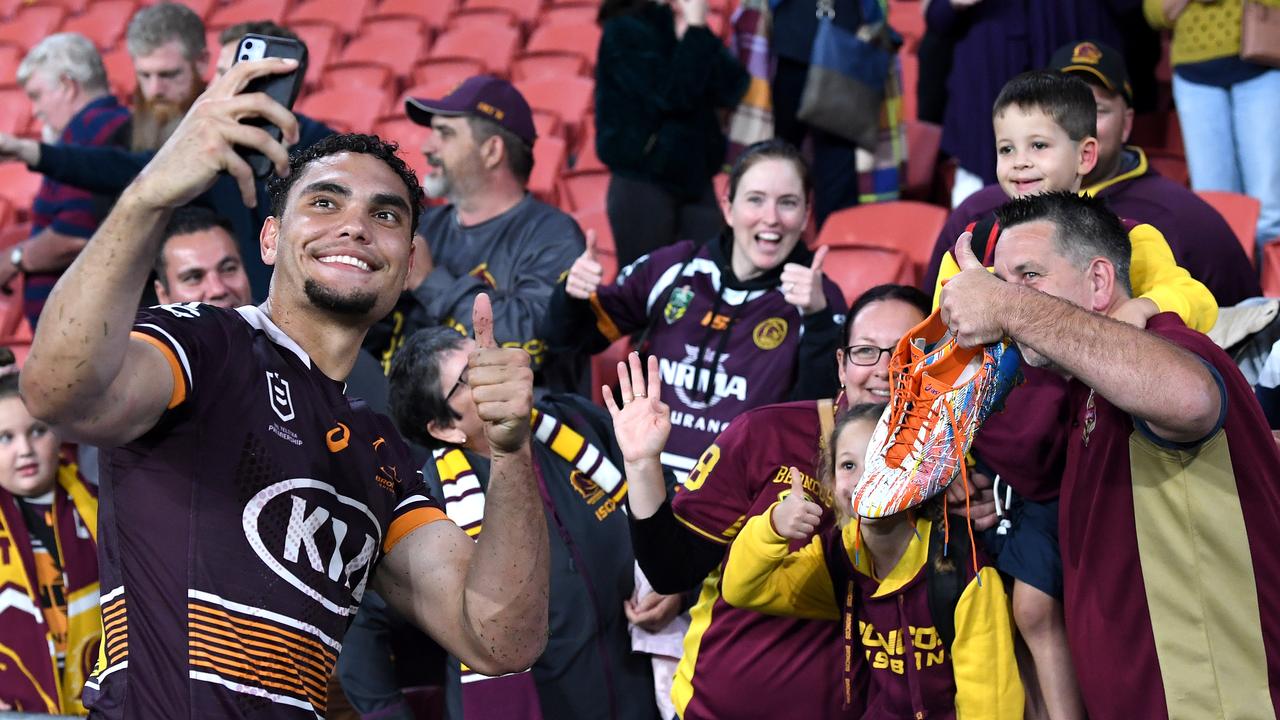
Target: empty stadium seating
{"x":1241,"y":213}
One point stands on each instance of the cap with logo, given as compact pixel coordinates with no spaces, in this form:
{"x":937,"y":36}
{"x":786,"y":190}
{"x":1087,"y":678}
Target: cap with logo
{"x":483,"y":96}
{"x":1098,"y":61}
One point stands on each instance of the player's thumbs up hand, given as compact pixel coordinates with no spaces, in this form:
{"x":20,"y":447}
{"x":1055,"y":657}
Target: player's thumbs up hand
{"x":796,"y":517}
{"x":501,"y":384}
{"x":587,"y":272}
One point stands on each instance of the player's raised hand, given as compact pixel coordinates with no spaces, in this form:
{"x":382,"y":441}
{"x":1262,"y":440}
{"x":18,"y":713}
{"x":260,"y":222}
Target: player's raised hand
{"x":643,"y":423}
{"x":204,"y":144}
{"x":802,"y":286}
{"x":587,"y":272}
{"x":796,"y":517}
{"x":501,"y":384}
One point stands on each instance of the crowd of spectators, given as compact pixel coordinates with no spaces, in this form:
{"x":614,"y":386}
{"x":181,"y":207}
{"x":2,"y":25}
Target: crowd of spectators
{"x":277,"y":444}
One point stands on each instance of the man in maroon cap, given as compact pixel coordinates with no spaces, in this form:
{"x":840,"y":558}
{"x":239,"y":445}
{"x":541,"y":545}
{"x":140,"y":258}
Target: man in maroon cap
{"x":492,"y":236}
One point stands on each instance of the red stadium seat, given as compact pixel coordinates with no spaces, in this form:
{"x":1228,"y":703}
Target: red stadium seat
{"x":434,"y":14}
{"x":910,"y":83}
{"x":245,"y":11}
{"x":395,"y":53}
{"x":10,"y":59}
{"x":924,"y":140}
{"x":525,"y":11}
{"x":346,"y":15}
{"x":120,"y":73}
{"x":15,"y":111}
{"x":31,"y":25}
{"x":548,"y":161}
{"x":445,"y":72}
{"x":906,"y":226}
{"x":857,"y":269}
{"x":103,"y":22}
{"x":1170,"y":165}
{"x":9,"y":7}
{"x":203,"y":8}
{"x":322,"y":41}
{"x":586,"y":159}
{"x":575,"y":13}
{"x":1271,"y":268}
{"x":358,"y":75}
{"x":410,"y":136}
{"x":19,"y":186}
{"x":547,"y":125}
{"x":908,"y":19}
{"x":492,"y":47}
{"x":395,"y":27}
{"x":568,"y":97}
{"x":482,"y":17}
{"x":535,"y":66}
{"x":350,"y":109}
{"x":581,"y":192}
{"x":1241,"y":213}
{"x":582,"y":39}
{"x":6,"y":213}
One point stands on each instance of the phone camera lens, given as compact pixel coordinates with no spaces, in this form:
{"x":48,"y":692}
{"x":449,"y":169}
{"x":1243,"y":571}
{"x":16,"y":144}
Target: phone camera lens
{"x":244,"y":57}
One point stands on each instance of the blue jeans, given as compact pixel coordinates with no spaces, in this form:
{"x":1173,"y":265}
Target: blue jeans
{"x":1231,"y":141}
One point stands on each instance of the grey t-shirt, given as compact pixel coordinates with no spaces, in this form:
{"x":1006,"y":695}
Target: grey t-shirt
{"x":517,"y":258}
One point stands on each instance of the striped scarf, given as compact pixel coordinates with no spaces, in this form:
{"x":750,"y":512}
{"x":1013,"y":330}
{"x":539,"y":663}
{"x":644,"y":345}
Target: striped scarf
{"x":29,"y":676}
{"x":752,"y":120}
{"x":514,"y":696}
{"x":881,"y":173}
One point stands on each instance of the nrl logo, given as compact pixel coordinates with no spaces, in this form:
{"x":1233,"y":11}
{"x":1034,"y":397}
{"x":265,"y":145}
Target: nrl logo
{"x":677,"y":304}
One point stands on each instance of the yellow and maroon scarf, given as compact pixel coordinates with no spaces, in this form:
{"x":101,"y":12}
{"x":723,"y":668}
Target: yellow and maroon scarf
{"x":29,"y":675}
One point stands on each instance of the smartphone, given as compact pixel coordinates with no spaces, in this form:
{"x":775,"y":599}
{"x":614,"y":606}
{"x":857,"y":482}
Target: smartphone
{"x":281,"y":88}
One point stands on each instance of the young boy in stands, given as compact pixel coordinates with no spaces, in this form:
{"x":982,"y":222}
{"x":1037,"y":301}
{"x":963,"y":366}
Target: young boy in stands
{"x":49,"y":622}
{"x":1046,"y":139}
{"x":1201,"y":240}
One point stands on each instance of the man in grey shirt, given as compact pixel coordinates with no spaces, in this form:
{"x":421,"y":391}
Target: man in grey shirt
{"x":493,"y":236}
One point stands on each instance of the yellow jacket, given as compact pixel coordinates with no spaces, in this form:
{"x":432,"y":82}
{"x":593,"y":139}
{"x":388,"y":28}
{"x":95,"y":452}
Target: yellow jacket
{"x":761,"y":575}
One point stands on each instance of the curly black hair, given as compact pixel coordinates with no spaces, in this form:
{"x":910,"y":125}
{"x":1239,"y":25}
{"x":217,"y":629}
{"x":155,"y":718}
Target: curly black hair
{"x":373,"y":145}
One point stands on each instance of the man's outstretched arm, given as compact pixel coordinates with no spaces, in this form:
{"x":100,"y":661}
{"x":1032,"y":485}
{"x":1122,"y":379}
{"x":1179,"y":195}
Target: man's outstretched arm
{"x":485,"y":601}
{"x":85,"y":375}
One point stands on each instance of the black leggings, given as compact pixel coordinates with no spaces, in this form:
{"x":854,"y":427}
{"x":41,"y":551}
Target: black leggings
{"x":645,"y":217}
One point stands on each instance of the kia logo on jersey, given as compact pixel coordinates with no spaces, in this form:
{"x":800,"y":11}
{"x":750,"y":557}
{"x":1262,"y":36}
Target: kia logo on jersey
{"x":314,"y":538}
{"x":279,"y":396}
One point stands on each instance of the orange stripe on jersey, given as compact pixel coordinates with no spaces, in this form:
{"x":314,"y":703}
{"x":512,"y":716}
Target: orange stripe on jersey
{"x":283,"y":673}
{"x":209,"y":663}
{"x":179,"y":380}
{"x":235,"y":645}
{"x":409,"y":522}
{"x":714,"y":538}
{"x":604,"y":323}
{"x":319,"y":654}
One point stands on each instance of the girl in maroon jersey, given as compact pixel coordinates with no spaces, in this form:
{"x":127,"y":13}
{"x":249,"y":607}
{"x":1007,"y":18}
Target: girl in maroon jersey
{"x":887,"y":575}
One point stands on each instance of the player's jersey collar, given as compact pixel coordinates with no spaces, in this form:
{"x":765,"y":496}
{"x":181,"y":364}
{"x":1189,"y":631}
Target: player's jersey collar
{"x":253,"y":315}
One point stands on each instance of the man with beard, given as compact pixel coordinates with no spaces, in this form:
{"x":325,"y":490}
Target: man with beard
{"x":246,"y":502}
{"x":493,"y":236}
{"x":167,"y":43}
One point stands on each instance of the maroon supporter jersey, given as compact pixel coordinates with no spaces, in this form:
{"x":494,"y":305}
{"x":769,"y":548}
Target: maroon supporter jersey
{"x":1169,"y":556}
{"x":238,"y":535}
{"x":740,"y":663}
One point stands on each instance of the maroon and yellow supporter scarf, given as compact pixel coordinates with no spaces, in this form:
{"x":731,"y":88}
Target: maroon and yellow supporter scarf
{"x":29,"y":676}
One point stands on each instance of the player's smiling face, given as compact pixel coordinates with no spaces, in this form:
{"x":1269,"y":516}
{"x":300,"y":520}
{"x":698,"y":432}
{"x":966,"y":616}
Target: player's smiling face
{"x":344,"y":239}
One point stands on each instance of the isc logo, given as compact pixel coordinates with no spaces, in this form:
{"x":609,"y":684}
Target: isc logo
{"x":326,"y":541}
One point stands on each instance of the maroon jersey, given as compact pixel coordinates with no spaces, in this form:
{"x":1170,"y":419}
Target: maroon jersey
{"x":1164,"y":549}
{"x":740,"y":663}
{"x":238,"y":535}
{"x":724,"y":346}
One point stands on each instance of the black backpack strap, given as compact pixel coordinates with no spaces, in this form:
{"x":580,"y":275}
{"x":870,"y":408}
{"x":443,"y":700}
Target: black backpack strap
{"x":945,"y":586}
{"x":985,"y":232}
